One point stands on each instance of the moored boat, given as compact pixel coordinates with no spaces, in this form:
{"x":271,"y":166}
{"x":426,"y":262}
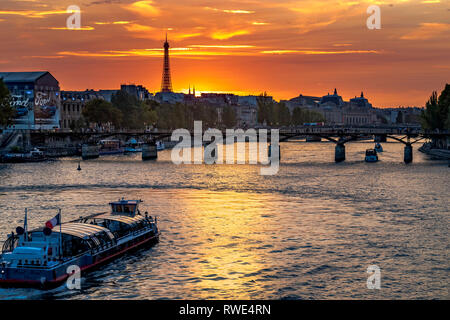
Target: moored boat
{"x":160,"y":145}
{"x":108,"y":147}
{"x":34,"y":155}
{"x":133,"y":146}
{"x":378,"y":148}
{"x":42,"y":257}
{"x":371,"y":155}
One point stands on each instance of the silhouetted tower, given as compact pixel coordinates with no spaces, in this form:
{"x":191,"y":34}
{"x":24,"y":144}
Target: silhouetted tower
{"x":166,"y":84}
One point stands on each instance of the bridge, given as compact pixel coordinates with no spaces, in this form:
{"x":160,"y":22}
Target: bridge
{"x":340,"y":135}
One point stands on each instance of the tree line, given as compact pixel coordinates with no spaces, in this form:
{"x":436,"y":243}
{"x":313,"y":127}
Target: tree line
{"x":7,"y":112}
{"x":126,"y":111}
{"x":436,"y":114}
{"x":278,"y":114}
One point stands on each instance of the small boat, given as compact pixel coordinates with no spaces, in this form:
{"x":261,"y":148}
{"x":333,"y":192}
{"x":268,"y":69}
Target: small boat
{"x":371,"y":155}
{"x":133,"y":146}
{"x":160,"y":145}
{"x":110,"y":147}
{"x":378,"y":148}
{"x":34,"y":155}
{"x":42,"y":257}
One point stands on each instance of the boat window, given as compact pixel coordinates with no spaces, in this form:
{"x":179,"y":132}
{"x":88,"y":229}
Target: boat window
{"x":117,"y":208}
{"x":95,"y":240}
{"x":91,"y":243}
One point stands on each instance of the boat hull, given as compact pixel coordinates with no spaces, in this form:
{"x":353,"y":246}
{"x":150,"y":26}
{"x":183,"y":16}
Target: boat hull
{"x":48,"y":278}
{"x":371,"y":159}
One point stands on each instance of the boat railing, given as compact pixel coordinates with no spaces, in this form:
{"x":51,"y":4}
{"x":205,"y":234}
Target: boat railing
{"x":10,"y":243}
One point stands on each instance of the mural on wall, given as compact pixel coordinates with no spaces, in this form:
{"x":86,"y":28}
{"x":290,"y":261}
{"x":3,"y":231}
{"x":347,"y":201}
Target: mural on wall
{"x":23,"y":103}
{"x":46,"y":111}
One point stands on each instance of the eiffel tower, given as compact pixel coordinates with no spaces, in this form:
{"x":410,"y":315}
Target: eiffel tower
{"x":166,"y":84}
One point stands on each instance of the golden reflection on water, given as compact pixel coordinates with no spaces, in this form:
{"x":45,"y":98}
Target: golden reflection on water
{"x":228,"y":224}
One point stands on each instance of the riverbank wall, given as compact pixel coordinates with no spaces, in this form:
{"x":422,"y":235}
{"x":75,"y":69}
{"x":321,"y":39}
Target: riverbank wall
{"x":435,"y":153}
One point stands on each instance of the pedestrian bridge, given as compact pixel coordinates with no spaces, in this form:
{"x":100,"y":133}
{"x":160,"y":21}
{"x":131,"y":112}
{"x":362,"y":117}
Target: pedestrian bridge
{"x":339,"y":135}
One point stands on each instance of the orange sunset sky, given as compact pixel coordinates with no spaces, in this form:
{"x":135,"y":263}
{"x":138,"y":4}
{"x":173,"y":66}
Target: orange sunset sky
{"x":284,"y":47}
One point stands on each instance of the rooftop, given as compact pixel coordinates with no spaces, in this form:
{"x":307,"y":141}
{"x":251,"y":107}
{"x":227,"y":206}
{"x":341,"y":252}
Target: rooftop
{"x":22,"y":76}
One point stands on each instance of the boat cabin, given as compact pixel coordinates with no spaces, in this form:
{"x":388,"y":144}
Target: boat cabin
{"x":125,"y":207}
{"x":109,"y":145}
{"x":38,"y":249}
{"x":371,"y":152}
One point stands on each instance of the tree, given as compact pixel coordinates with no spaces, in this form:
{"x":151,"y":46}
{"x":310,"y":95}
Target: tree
{"x":436,"y":113}
{"x":149,"y":115}
{"x":447,"y":125}
{"x":7,"y":112}
{"x":102,"y":112}
{"x":130,"y":108}
{"x":297,"y":116}
{"x":284,"y":115}
{"x":399,"y":118}
{"x":266,"y":108}
{"x":229,"y":117}
{"x":301,"y":116}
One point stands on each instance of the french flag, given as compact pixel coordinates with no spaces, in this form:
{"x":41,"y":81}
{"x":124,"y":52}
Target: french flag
{"x":53,"y":222}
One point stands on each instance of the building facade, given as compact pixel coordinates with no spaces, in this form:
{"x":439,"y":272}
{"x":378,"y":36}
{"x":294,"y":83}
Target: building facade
{"x":72,"y":105}
{"x":36,"y":99}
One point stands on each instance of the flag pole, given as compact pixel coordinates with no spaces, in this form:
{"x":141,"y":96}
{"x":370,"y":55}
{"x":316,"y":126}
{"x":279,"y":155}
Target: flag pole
{"x":60,"y":234}
{"x":25,"y":225}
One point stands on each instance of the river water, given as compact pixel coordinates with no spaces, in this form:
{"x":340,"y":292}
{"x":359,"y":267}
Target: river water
{"x":309,"y":232}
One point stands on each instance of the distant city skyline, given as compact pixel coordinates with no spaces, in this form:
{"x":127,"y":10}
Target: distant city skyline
{"x":284,"y":47}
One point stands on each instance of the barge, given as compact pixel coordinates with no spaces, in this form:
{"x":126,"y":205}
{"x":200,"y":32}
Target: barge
{"x":43,"y":257}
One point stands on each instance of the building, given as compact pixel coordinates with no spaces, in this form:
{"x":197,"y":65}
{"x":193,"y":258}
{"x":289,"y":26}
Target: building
{"x":138,"y":91}
{"x":302,"y":102}
{"x":72,"y":105}
{"x":107,"y":94}
{"x":247,"y":115}
{"x":36,"y":98}
{"x":332,"y":99}
{"x":358,"y":116}
{"x":361,"y":102}
{"x":169,"y":97}
{"x":219,"y":99}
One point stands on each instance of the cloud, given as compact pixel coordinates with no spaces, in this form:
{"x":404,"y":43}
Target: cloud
{"x":223,"y":35}
{"x":186,"y":35}
{"x":230,"y":11}
{"x":144,"y":8}
{"x":32,"y":13}
{"x":193,"y":51}
{"x":427,"y":31}
{"x":221,"y":46}
{"x":135,"y":27}
{"x":319,"y":52}
{"x":104,"y":2}
{"x":87,"y":28}
{"x":113,"y":22}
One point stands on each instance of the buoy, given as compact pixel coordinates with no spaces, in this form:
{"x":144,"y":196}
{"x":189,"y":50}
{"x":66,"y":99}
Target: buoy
{"x":79,"y":167}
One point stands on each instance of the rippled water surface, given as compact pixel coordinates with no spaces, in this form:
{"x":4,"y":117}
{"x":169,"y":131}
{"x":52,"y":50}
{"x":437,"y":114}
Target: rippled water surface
{"x":309,"y":232}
